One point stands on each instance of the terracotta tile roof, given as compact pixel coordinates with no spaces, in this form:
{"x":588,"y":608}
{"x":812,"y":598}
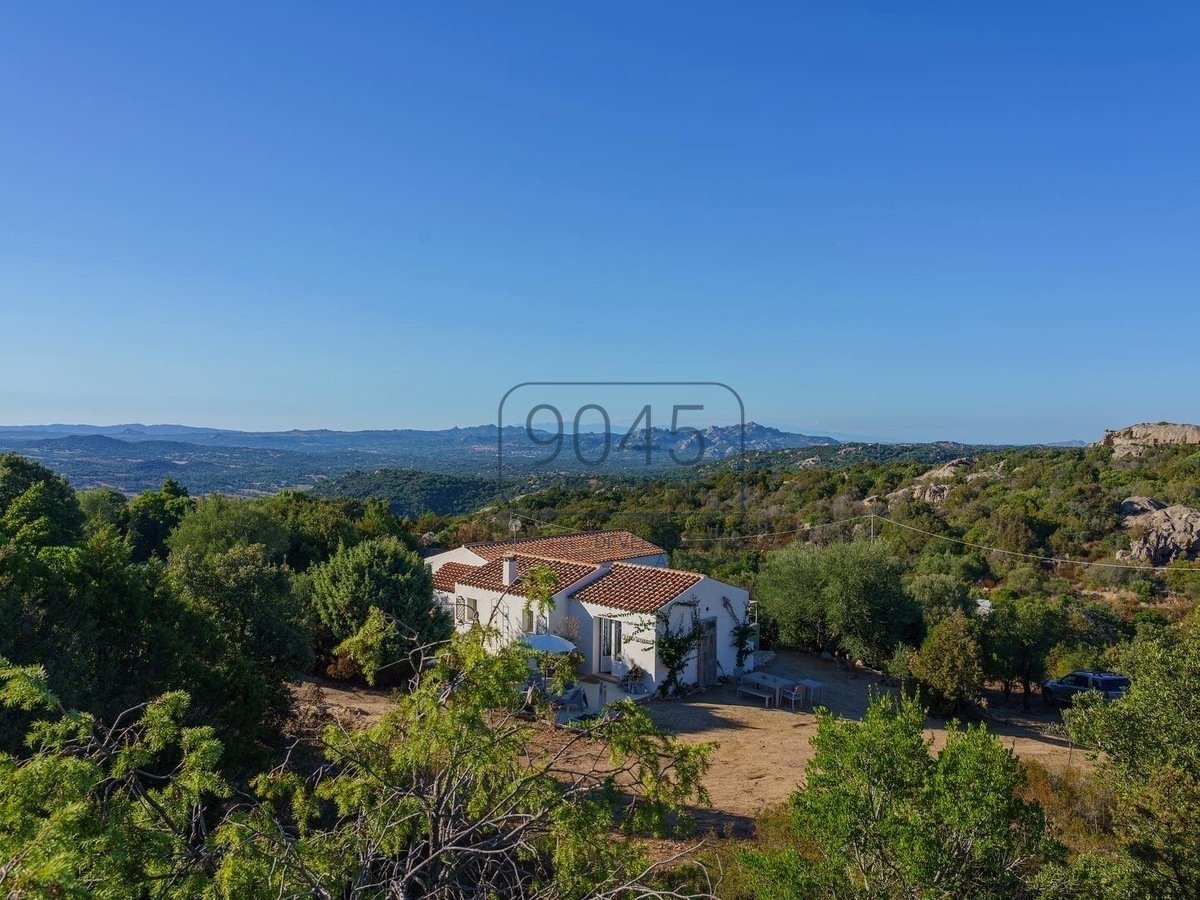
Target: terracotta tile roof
{"x":586,"y":547}
{"x":448,"y":574}
{"x":490,"y":575}
{"x":637,"y":588}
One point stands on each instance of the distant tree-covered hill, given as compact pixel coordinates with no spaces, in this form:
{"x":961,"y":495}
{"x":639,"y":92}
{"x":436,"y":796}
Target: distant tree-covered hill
{"x":410,"y":493}
{"x":96,"y":460}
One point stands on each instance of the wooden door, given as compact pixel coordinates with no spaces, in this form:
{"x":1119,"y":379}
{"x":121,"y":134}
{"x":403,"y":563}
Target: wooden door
{"x":707,"y":653}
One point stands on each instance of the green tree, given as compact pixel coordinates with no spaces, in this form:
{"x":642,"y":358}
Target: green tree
{"x":879,"y":817}
{"x":675,"y":646}
{"x":217,"y":524}
{"x":1018,"y":636}
{"x":917,"y":514}
{"x":378,"y":520}
{"x":452,"y":791}
{"x":949,"y":665}
{"x":150,"y":518}
{"x":939,"y":596}
{"x":116,"y":809}
{"x":846,"y":598}
{"x":37,"y":505}
{"x":383,"y":574}
{"x":315,"y":528}
{"x":540,"y":584}
{"x":964,"y":567}
{"x":455,"y":792}
{"x":1183,"y":577}
{"x":104,"y":626}
{"x":242,"y":616}
{"x":1148,"y":749}
{"x":102,"y":506}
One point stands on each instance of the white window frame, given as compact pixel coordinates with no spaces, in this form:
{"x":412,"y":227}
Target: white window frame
{"x":466,"y":610}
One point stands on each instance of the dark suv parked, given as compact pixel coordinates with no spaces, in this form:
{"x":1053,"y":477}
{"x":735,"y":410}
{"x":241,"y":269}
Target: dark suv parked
{"x":1063,"y":690}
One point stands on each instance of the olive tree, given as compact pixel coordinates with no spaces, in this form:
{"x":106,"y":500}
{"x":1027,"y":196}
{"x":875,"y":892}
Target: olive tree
{"x":949,"y":665}
{"x":846,"y":598}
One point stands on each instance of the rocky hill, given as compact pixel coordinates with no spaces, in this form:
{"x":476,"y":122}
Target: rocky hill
{"x":1135,"y":439}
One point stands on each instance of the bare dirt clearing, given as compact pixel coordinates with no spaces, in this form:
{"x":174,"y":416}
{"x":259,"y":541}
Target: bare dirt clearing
{"x":346,"y":703}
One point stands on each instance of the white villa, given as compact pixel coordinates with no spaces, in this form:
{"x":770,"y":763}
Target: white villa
{"x":612,"y":588}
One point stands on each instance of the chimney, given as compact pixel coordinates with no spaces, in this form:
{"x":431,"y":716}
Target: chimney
{"x":508,"y":569}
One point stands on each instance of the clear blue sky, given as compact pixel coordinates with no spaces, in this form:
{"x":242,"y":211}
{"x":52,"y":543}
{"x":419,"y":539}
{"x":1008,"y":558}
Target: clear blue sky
{"x":956,"y":220}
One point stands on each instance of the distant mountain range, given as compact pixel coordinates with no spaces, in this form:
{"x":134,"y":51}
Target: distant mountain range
{"x":135,"y":457}
{"x":321,"y":440}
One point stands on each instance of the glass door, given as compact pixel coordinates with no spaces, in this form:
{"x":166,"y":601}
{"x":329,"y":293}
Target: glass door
{"x":610,"y":642}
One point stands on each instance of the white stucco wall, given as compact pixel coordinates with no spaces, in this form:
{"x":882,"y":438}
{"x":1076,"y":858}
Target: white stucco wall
{"x":640,"y":629}
{"x":505,"y":611}
{"x":637,"y":635}
{"x":658,"y":559}
{"x":708,"y":595}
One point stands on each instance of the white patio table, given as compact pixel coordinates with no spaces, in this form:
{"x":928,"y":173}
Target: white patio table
{"x":769,"y":682}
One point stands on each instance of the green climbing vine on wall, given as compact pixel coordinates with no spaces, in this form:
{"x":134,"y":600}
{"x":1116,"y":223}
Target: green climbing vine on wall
{"x":675,"y":648}
{"x":742,"y":634}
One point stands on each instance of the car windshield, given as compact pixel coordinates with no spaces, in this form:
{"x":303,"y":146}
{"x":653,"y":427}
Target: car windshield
{"x":1112,"y":684}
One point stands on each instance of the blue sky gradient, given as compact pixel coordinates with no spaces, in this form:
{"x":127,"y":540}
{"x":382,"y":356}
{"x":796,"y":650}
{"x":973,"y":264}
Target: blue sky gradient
{"x":935,"y":221}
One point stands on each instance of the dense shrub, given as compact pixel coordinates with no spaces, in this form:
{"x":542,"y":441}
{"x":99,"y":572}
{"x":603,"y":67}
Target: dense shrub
{"x":381,"y":574}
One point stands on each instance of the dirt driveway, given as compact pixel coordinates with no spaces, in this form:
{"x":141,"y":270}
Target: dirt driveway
{"x":761,"y":753}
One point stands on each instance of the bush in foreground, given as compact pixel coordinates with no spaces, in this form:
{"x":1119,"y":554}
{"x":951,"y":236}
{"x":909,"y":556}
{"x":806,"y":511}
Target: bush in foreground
{"x":880,"y":816}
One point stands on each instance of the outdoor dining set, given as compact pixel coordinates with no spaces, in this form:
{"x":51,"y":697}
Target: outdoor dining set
{"x":776,"y":689}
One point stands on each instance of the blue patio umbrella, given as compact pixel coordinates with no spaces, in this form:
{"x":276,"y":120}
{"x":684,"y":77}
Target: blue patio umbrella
{"x":548,"y":643}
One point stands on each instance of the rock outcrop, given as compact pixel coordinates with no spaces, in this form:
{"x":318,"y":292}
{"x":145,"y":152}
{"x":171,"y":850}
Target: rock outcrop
{"x":946,"y":471}
{"x":934,"y":486}
{"x":1134,"y":440}
{"x":1160,"y":534}
{"x":1139,"y":506}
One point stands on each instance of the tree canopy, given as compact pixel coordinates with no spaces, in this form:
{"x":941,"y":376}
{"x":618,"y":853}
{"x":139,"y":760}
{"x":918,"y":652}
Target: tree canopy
{"x":847,"y":598}
{"x":383,"y":575}
{"x":1150,"y":741}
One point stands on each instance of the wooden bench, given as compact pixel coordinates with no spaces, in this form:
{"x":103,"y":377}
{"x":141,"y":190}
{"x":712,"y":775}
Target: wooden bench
{"x":756,"y":692}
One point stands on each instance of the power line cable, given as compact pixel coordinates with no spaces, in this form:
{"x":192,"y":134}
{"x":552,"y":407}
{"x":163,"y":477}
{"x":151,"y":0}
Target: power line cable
{"x":1047,"y":559}
{"x":805,"y":529}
